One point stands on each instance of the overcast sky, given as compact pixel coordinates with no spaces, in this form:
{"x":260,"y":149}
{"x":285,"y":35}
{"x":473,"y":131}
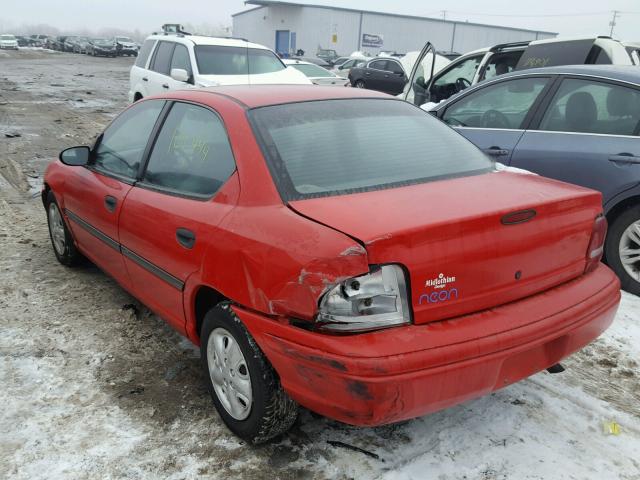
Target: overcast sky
{"x":569,"y":17}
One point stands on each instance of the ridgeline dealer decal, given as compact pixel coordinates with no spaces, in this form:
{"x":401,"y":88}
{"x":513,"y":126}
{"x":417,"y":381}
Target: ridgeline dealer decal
{"x":441,"y":292}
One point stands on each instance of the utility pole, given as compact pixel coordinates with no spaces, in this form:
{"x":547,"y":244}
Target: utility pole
{"x":612,"y":23}
{"x":444,"y":14}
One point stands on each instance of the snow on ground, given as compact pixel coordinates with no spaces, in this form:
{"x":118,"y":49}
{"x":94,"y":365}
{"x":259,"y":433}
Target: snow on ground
{"x":95,"y":386}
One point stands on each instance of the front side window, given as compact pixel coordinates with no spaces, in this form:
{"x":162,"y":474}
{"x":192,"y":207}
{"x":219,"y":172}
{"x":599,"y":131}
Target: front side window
{"x":180,"y":59}
{"x":394,"y":67}
{"x":162,"y":58}
{"x":219,"y":60}
{"x":335,"y":147}
{"x":122,"y":145}
{"x":465,"y":70}
{"x":593,"y":107}
{"x":143,"y":54}
{"x":192,"y":154}
{"x":502,"y":105}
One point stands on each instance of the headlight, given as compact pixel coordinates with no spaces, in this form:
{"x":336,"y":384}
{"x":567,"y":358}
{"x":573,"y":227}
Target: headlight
{"x":376,"y":300}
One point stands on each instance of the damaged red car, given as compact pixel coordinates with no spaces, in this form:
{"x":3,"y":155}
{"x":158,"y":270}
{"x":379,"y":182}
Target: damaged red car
{"x":333,"y":248}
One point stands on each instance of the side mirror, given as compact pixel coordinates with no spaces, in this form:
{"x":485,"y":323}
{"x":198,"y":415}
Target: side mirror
{"x":75,"y":156}
{"x":180,"y":74}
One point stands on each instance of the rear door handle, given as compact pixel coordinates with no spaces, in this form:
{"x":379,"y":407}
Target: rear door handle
{"x":110,"y":203}
{"x":185,"y":237}
{"x":145,"y":79}
{"x":164,"y":85}
{"x":496,"y":151}
{"x":367,"y":73}
{"x":624,"y":158}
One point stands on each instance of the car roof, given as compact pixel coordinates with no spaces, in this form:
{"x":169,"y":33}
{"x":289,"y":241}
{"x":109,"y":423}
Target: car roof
{"x":203,"y":40}
{"x":624,"y":73}
{"x":255,"y":96}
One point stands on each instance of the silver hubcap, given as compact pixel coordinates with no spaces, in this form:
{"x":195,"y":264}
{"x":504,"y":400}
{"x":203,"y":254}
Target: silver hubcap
{"x":630,"y":250}
{"x":229,"y":374}
{"x":56,"y":227}
{"x":359,"y":85}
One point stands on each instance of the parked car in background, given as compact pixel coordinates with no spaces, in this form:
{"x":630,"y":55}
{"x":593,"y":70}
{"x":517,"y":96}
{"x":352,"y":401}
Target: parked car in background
{"x":56,"y":43}
{"x":579,"y":124}
{"x":317,"y":74}
{"x":80,"y":45}
{"x":39,"y":40}
{"x":384,"y":74}
{"x":315,"y":61}
{"x":302,"y":261}
{"x":344,"y":69}
{"x":634,"y":51}
{"x":126,"y":46}
{"x":487,"y":63}
{"x":8,"y":42}
{"x":170,"y":62}
{"x":23,"y":41}
{"x":102,"y":47}
{"x":449,"y":55}
{"x":69,"y":43}
{"x":340,"y":61}
{"x":327,"y":54}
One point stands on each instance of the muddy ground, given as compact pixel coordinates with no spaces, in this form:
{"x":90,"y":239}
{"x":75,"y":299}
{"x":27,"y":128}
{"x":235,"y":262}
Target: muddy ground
{"x":93,"y":385}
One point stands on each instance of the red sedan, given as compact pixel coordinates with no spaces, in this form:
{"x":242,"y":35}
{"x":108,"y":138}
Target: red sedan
{"x":333,"y":248}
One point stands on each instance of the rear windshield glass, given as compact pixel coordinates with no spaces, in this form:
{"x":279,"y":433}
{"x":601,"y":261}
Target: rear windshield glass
{"x":549,"y":54}
{"x":312,"y":70}
{"x":336,"y":147}
{"x":219,"y":60}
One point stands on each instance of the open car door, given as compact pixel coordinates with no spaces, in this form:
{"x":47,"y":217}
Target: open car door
{"x":417,"y":91}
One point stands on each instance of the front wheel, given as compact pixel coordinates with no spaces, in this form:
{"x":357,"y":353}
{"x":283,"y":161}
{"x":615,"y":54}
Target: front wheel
{"x":622,"y":249}
{"x":61,"y":239}
{"x":245,"y":388}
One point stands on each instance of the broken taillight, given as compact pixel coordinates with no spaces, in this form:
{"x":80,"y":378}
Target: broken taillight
{"x":596,"y":244}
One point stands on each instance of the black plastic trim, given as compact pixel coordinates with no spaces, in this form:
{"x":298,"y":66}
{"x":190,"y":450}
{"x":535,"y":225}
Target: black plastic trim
{"x":93,"y":231}
{"x":151,"y":268}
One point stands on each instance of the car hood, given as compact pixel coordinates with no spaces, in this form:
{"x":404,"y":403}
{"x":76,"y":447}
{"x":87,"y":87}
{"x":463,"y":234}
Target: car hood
{"x":287,"y":76}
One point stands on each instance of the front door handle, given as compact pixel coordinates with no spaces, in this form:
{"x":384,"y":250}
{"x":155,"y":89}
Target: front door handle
{"x":624,"y":158}
{"x":164,"y":85}
{"x":145,"y":79}
{"x":185,"y":237}
{"x":496,"y":151}
{"x":110,"y":203}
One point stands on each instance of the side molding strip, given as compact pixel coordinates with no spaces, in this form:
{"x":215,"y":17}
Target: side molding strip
{"x":144,"y":263}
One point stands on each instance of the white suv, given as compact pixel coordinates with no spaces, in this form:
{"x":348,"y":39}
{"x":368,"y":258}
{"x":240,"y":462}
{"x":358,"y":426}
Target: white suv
{"x":178,"y":61}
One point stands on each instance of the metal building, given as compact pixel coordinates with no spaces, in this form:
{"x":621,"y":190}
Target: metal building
{"x":287,"y":27}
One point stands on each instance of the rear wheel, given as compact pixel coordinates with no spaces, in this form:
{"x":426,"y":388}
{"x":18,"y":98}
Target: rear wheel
{"x":622,"y":249}
{"x":244,"y":386}
{"x":359,"y":84}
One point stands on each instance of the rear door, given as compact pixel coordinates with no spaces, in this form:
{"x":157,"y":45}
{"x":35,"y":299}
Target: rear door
{"x":494,"y":117}
{"x":395,"y":77}
{"x":587,"y":134}
{"x":169,"y":217}
{"x":375,"y":75}
{"x":95,"y":194}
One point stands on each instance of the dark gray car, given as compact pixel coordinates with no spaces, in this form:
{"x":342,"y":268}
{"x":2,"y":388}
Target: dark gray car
{"x":579,"y":124}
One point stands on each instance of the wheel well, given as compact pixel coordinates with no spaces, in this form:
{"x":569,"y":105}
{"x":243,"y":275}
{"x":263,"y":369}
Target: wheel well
{"x":206,"y":299}
{"x":621,"y":207}
{"x":137,"y":96}
{"x":45,"y":193}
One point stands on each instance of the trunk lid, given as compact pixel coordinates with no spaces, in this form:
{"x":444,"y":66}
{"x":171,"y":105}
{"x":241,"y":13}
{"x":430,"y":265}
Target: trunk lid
{"x":450,"y":237}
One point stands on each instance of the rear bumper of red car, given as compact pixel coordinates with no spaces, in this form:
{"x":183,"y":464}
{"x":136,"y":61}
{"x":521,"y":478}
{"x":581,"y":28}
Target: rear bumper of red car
{"x":400,"y":373}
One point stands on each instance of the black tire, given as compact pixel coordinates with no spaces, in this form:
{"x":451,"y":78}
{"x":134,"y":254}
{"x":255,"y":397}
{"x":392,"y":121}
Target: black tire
{"x":359,"y":84}
{"x":272,"y":411}
{"x":612,"y":248}
{"x":69,"y":256}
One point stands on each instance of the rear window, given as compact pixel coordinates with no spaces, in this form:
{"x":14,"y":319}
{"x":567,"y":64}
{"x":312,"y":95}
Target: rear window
{"x":219,"y":60}
{"x":143,"y":54}
{"x":572,"y":52}
{"x":312,"y":70}
{"x":335,"y":147}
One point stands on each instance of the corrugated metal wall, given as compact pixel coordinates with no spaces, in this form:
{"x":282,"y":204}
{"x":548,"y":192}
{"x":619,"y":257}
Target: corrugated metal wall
{"x":315,"y":27}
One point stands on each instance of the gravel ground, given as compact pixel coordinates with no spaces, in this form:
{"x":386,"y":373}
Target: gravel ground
{"x":96,"y":386}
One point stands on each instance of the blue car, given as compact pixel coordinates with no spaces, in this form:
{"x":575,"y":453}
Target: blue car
{"x":579,"y":124}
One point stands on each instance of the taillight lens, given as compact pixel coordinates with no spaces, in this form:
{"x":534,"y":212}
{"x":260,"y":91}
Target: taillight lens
{"x":596,"y":245}
{"x":376,"y":300}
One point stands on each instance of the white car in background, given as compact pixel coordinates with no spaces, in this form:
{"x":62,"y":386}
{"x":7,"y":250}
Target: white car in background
{"x":317,"y":74}
{"x":8,"y":42}
{"x":175,"y":61}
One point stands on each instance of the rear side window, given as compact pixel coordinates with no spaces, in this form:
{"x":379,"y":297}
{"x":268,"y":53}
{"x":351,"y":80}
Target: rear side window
{"x":378,"y":65}
{"x":593,"y":107}
{"x":192,"y":155}
{"x":219,"y":60}
{"x":503,"y":105}
{"x":162,"y":58}
{"x":143,"y":54}
{"x":335,"y":147}
{"x":123,"y":143}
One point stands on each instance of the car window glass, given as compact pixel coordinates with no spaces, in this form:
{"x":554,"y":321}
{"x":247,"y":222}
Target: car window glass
{"x":394,"y":67}
{"x":312,"y":71}
{"x":144,"y":52}
{"x":593,"y":107}
{"x":123,"y":143}
{"x":501,"y":63}
{"x":162,"y":58}
{"x":503,"y":105}
{"x":219,"y":60}
{"x":180,"y":59}
{"x":465,"y":69}
{"x":379,"y":65}
{"x":192,"y":154}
